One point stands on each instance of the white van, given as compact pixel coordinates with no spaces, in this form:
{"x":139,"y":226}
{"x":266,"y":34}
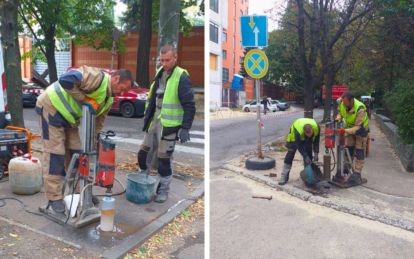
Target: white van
{"x":5,"y":118}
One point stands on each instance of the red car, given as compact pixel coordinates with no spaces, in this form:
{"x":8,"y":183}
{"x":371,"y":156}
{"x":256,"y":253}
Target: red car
{"x":130,"y":103}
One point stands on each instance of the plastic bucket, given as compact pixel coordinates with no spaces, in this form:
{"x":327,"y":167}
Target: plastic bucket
{"x":139,"y":188}
{"x":311,"y":175}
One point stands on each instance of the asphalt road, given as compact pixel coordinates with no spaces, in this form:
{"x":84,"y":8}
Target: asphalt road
{"x":286,"y":227}
{"x":231,"y":138}
{"x":130,"y":135}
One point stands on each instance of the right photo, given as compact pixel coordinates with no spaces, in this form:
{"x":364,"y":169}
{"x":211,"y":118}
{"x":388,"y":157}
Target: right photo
{"x":311,"y":129}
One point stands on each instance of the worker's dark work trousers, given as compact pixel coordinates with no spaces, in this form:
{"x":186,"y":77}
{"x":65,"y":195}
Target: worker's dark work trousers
{"x":290,"y":155}
{"x":166,"y":147}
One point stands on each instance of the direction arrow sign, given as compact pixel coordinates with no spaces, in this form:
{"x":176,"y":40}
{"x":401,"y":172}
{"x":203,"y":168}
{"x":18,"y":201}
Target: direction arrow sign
{"x":256,"y":63}
{"x":254,"y":31}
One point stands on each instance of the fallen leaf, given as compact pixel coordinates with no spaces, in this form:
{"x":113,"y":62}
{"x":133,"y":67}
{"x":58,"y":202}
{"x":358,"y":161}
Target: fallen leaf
{"x":14,"y":235}
{"x":14,"y":253}
{"x":135,"y":251}
{"x":194,"y":237}
{"x":11,"y":244}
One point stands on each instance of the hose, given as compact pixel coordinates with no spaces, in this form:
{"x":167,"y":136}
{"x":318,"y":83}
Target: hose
{"x":99,"y":195}
{"x":80,"y":201}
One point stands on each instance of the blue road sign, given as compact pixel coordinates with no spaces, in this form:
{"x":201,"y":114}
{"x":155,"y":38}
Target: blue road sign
{"x":254,"y":31}
{"x":256,"y":63}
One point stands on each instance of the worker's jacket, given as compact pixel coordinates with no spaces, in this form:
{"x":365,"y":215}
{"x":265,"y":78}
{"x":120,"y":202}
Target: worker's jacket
{"x":178,"y":106}
{"x":77,"y":83}
{"x":66,"y":103}
{"x":356,"y":118}
{"x":297,"y":138}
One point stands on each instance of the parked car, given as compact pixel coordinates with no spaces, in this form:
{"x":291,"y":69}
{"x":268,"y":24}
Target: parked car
{"x":282,"y":106}
{"x":253,"y":107}
{"x":316,"y":103}
{"x":130,"y":103}
{"x":30,"y":92}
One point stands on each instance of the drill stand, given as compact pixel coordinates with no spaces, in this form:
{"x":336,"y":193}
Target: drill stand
{"x":88,"y":212}
{"x":344,"y":158}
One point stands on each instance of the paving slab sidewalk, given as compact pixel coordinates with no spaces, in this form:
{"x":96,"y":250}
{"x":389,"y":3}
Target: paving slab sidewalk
{"x":386,"y":197}
{"x":130,"y":219}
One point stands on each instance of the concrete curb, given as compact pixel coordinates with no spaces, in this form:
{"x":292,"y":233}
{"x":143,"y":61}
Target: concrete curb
{"x":353,"y":210}
{"x":154,"y":227}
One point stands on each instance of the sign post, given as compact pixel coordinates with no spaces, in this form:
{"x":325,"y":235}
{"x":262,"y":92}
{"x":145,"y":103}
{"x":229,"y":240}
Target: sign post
{"x":113,"y":51}
{"x":254,"y":34}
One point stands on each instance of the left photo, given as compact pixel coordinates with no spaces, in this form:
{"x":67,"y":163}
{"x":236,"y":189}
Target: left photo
{"x":102,"y":131}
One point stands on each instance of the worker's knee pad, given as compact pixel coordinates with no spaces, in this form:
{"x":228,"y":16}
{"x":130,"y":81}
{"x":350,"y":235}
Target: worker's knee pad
{"x":289,"y":157}
{"x":164,"y":166}
{"x":142,"y":159}
{"x":360,"y":154}
{"x":351,"y":150}
{"x":57,"y":165}
{"x":72,"y":152}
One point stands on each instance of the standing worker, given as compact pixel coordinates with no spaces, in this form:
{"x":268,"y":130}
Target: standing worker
{"x":356,"y":121}
{"x":59,"y":111}
{"x":169,"y":113}
{"x":304,"y":133}
{"x":265,"y":101}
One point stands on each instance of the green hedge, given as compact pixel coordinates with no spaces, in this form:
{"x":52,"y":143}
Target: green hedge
{"x":400,"y":101}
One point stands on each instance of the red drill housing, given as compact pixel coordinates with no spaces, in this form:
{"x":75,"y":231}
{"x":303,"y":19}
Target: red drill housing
{"x":106,"y":163}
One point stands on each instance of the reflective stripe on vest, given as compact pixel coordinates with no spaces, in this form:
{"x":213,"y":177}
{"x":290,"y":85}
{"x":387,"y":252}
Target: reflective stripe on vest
{"x":350,"y":120}
{"x":70,"y":108}
{"x":298,"y":125}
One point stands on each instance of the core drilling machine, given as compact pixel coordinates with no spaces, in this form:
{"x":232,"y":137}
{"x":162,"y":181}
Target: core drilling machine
{"x":93,"y":168}
{"x":344,"y":158}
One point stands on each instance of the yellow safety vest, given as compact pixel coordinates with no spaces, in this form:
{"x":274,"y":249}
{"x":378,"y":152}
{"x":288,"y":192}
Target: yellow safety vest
{"x":350,"y":120}
{"x":70,"y":108}
{"x":298,"y":125}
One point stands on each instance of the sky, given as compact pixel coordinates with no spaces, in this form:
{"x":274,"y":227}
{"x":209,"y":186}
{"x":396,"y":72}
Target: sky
{"x":259,"y":6}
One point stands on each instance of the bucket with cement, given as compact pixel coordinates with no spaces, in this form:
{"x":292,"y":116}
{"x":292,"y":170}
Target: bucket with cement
{"x":311,"y":175}
{"x":140,"y":188}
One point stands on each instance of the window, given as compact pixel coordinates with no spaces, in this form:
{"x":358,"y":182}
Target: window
{"x":234,"y":42}
{"x":241,"y":13}
{"x":241,"y":1}
{"x":234,"y":59}
{"x":240,"y":60}
{"x":224,"y":54}
{"x":234,"y":71}
{"x":214,"y":5}
{"x":247,"y":11}
{"x":225,"y":74}
{"x":213,"y":32}
{"x":234,"y":9}
{"x":224,"y":37}
{"x":213,"y":62}
{"x":234,"y":26}
{"x":240,"y":45}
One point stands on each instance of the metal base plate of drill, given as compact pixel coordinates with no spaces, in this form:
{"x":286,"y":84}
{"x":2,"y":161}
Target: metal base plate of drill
{"x":88,"y":216}
{"x":348,"y":184}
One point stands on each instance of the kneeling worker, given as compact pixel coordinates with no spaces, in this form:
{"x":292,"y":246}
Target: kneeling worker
{"x":356,"y":119}
{"x":304,"y":134}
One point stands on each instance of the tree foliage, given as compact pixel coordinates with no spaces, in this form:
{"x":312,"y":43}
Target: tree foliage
{"x":90,"y":22}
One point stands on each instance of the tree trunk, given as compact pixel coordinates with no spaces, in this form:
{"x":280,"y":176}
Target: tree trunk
{"x":11,"y":52}
{"x":169,"y":24}
{"x":145,"y":33}
{"x":50,"y":54}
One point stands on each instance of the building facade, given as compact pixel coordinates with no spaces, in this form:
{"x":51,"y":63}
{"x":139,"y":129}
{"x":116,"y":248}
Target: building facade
{"x":232,"y":47}
{"x":218,"y":23}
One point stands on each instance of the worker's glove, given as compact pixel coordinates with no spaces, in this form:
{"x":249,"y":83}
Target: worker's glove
{"x":338,"y":119}
{"x":315,"y":157}
{"x":341,"y":131}
{"x":184,"y":135}
{"x":307,"y":161}
{"x":91,"y":103}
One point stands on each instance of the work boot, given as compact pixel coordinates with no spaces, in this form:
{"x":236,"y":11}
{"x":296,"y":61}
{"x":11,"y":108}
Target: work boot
{"x":284,"y":176}
{"x":95,"y":200}
{"x":58,"y":206}
{"x":337,"y":177}
{"x":355,"y":178}
{"x":161,"y":197}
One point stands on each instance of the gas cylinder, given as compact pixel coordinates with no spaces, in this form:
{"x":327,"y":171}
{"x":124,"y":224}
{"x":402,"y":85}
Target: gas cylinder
{"x":25,"y":175}
{"x":106,"y":163}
